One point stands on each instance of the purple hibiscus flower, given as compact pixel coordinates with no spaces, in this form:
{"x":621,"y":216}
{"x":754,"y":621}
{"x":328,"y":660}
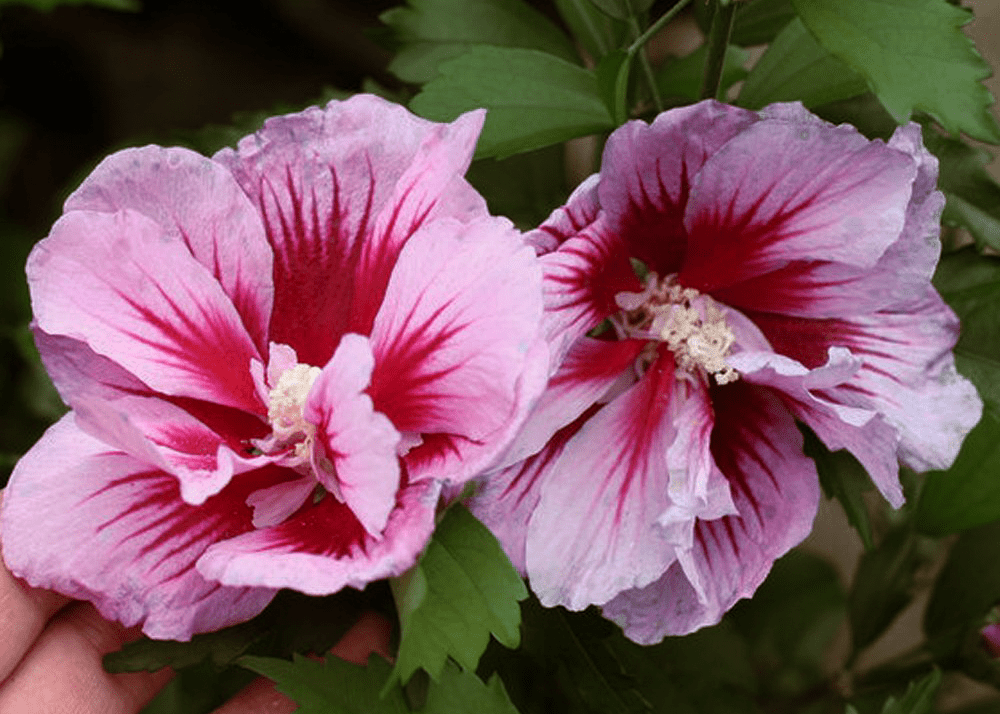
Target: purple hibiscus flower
{"x":275,"y":359}
{"x":727,"y":274}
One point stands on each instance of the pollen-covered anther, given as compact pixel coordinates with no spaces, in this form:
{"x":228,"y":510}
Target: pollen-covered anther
{"x":691,"y":324}
{"x":286,"y":402}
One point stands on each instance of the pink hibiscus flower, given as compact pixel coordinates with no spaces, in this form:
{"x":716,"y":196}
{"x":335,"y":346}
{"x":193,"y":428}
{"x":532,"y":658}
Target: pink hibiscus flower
{"x":727,"y":274}
{"x":275,"y":358}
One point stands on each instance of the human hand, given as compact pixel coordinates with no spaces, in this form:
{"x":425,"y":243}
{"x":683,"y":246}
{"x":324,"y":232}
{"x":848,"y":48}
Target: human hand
{"x":51,"y":649}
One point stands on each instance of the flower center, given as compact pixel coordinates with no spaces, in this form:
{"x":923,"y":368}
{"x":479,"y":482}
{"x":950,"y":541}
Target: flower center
{"x":691,"y":324}
{"x":286,"y":402}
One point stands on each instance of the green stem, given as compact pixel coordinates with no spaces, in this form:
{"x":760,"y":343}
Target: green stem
{"x":669,"y":15}
{"x":718,"y":41}
{"x":640,"y":41}
{"x":647,"y":69}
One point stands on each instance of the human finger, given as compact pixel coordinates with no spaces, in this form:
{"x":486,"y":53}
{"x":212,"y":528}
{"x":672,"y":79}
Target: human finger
{"x":62,"y":673}
{"x":24,"y":611}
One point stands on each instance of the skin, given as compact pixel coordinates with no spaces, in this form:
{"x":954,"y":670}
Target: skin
{"x":51,"y":649}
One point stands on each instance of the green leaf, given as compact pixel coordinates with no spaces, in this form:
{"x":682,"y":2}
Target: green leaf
{"x":845,"y":479}
{"x":462,"y":589}
{"x":914,"y":56}
{"x":292,"y":623}
{"x":338,"y":687}
{"x":864,"y":111}
{"x":681,"y":78}
{"x":433,"y":31}
{"x":883,"y":585}
{"x":967,"y":586}
{"x":45,"y":5}
{"x":586,"y":664}
{"x":199,"y":689}
{"x":612,"y":81}
{"x":622,"y":9}
{"x":525,"y":188}
{"x":968,"y":493}
{"x":759,"y":22}
{"x":575,"y":658}
{"x":796,"y":68}
{"x":598,"y":33}
{"x":533,"y":99}
{"x":790,"y":622}
{"x":460,"y":691}
{"x":707,"y":671}
{"x":919,"y":697}
{"x":219,"y":648}
{"x":332,"y":686}
{"x":973,"y":195}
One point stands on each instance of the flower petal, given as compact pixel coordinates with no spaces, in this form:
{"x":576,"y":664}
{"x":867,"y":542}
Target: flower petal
{"x":581,"y":281}
{"x":359,"y":441}
{"x":861,"y":431}
{"x":340,"y":190}
{"x":324,"y":548}
{"x":595,"y":531}
{"x":819,"y":193}
{"x":200,"y":443}
{"x":566,"y":221}
{"x":197,"y":201}
{"x":826,"y":289}
{"x":907,"y":373}
{"x":776,"y":491}
{"x":131,"y":543}
{"x":457,"y":339}
{"x":505,"y":499}
{"x":135,"y":294}
{"x":647,"y":172}
{"x":590,"y":369}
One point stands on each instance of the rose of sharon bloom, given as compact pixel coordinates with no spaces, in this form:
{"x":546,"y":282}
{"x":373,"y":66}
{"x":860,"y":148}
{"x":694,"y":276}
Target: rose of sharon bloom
{"x":275,"y":358}
{"x":727,"y":274}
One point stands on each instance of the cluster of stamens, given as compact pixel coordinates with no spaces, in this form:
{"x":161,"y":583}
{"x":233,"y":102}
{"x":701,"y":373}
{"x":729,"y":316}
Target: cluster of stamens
{"x":286,"y":403}
{"x":691,"y":325}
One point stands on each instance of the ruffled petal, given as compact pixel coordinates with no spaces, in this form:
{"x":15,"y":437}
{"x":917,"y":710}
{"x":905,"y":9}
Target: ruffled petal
{"x":647,"y":172}
{"x":198,"y":201}
{"x":590,"y":369}
{"x":861,"y":431}
{"x":200,"y":443}
{"x":455,"y":338}
{"x":776,"y":492}
{"x":324,"y":547}
{"x":907,"y":373}
{"x":819,"y":193}
{"x":580,"y":211}
{"x":595,"y":531}
{"x":340,"y":190}
{"x":824,"y":289}
{"x":359,"y":442}
{"x":133,"y":540}
{"x":505,"y":499}
{"x":135,"y":294}
{"x":581,"y":281}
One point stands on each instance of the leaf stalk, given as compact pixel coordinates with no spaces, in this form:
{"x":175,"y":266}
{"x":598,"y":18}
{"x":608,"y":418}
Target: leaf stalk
{"x":718,"y":41}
